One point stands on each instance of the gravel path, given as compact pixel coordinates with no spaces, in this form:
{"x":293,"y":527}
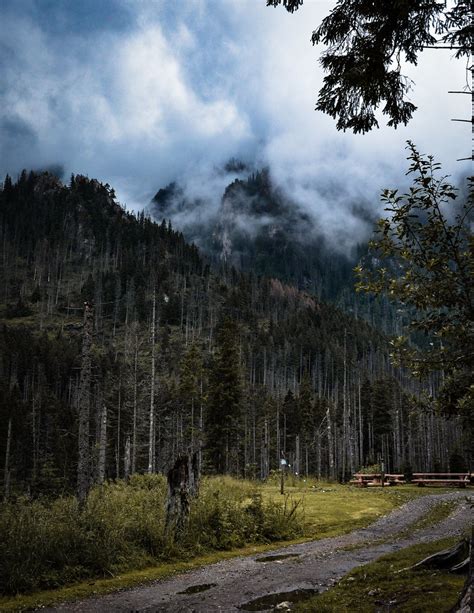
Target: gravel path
{"x":314,"y":565}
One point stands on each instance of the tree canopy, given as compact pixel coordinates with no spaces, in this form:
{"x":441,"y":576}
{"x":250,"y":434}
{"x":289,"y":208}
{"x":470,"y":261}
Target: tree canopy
{"x":367,"y":41}
{"x":424,"y":259}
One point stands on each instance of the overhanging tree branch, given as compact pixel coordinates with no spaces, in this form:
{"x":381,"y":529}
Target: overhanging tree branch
{"x":366,"y":41}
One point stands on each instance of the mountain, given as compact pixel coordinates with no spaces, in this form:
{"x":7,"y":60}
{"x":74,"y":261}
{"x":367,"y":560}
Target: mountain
{"x":114,"y":316}
{"x":257,"y":228}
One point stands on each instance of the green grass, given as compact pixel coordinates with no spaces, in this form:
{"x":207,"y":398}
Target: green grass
{"x":331,"y":509}
{"x":119,"y":541}
{"x":437,"y":513}
{"x":379,"y":586}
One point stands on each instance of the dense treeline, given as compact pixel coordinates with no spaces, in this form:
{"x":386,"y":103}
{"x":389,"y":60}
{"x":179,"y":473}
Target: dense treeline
{"x":244,"y":369}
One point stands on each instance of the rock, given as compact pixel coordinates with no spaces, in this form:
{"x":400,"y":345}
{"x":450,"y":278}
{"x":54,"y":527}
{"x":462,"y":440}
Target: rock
{"x":374,"y":592}
{"x":283,"y":606}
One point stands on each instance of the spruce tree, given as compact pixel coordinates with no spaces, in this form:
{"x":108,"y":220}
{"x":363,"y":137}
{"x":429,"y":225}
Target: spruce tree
{"x":225,"y":401}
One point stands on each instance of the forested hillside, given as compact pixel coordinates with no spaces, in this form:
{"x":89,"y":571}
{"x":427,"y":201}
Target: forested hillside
{"x":117,"y":331}
{"x":258,"y":228}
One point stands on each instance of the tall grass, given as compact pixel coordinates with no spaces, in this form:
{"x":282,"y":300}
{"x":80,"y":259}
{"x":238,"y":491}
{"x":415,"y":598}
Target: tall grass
{"x":46,"y":544}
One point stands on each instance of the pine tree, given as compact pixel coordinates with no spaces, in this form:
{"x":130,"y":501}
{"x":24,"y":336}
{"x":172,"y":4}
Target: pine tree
{"x":191,"y":395}
{"x":225,"y":401}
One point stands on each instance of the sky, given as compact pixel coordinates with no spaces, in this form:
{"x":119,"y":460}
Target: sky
{"x":138,"y":93}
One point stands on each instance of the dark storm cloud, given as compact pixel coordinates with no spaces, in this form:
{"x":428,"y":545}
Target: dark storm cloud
{"x":140,"y":93}
{"x":18,"y":137}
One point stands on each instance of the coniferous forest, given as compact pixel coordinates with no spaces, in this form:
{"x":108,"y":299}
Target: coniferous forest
{"x":114,"y":329}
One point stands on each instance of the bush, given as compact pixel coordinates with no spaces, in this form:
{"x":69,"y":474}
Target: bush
{"x":46,"y":544}
{"x":372,"y":469}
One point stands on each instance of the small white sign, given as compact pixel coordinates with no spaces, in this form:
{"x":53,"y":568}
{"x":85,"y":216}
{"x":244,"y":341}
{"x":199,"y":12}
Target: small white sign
{"x":282,"y":462}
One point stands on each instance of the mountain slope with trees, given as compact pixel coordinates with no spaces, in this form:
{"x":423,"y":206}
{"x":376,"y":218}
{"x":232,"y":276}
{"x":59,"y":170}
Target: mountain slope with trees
{"x":242,"y":368}
{"x":258,"y":229}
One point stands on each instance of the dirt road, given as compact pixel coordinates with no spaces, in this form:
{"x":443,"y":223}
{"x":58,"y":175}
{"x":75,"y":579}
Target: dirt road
{"x":234,"y":584}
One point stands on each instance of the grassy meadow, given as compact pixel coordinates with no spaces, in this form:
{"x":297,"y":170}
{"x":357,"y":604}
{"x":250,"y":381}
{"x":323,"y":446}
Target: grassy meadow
{"x":330,"y":509}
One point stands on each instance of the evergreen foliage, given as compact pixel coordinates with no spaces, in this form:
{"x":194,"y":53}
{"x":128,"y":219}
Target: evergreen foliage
{"x":225,"y":401}
{"x":366,"y":43}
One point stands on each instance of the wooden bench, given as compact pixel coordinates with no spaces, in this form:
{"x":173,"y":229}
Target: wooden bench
{"x":375,"y":479}
{"x":395,"y":479}
{"x":459,"y":479}
{"x":365,"y":479}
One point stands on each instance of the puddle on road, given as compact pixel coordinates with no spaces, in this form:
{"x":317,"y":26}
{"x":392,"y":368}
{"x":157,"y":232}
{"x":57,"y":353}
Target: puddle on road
{"x":271,"y":601}
{"x":277,"y":558}
{"x":195,"y":589}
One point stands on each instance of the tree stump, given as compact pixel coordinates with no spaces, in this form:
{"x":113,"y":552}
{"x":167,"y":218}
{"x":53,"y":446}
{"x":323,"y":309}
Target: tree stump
{"x":183,"y":486}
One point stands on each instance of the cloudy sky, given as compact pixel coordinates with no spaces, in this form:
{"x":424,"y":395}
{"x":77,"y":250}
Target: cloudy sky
{"x":142,"y":92}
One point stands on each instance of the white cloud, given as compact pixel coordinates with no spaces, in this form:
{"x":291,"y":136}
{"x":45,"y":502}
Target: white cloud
{"x":187,"y":86}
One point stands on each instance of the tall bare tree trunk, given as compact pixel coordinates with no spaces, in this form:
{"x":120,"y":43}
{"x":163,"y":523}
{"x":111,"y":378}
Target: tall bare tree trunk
{"x":361,"y":428}
{"x":6,"y":474}
{"x":297,"y":455}
{"x":330,"y":444}
{"x":151,"y":432}
{"x":318,"y":465}
{"x":126,"y":460}
{"x":246,"y":460}
{"x":135,"y":406}
{"x":102,"y":446}
{"x":345,"y":424}
{"x":278,"y":452}
{"x":35,"y":441}
{"x":201,"y":429}
{"x":83,"y":464}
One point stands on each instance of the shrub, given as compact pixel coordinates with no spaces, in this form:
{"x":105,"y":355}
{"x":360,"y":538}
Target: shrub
{"x":372,"y":469}
{"x":45,"y":544}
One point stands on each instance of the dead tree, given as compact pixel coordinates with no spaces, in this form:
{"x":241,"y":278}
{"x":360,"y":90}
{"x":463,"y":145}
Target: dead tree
{"x":183,"y":486}
{"x":102,"y":445}
{"x":445,"y":558}
{"x":6,"y":473}
{"x":126,"y":460}
{"x":83,"y":464}
{"x":151,"y":431}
